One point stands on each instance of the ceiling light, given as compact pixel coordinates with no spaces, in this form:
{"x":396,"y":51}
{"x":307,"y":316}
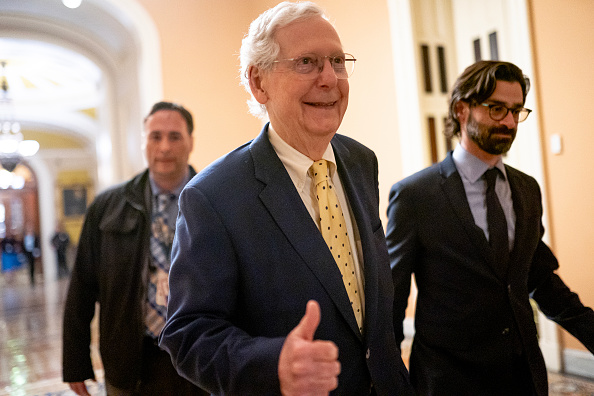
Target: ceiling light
{"x":72,"y":3}
{"x":12,"y":145}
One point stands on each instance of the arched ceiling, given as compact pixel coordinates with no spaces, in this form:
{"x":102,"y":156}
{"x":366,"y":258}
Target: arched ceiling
{"x":51,"y":85}
{"x":43,"y":74}
{"x":76,"y":79}
{"x":91,"y":18}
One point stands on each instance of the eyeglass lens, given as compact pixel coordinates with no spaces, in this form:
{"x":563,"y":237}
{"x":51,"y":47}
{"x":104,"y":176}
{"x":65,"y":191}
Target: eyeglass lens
{"x":343,"y":65}
{"x":499,"y":112}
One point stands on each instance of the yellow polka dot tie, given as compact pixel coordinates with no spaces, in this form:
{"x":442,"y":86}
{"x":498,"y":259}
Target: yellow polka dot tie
{"x":334,"y":231}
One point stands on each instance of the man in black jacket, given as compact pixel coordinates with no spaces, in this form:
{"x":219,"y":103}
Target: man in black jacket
{"x":122,"y":263}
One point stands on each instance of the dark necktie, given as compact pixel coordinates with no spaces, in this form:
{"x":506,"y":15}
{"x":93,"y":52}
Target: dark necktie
{"x":497,"y":225}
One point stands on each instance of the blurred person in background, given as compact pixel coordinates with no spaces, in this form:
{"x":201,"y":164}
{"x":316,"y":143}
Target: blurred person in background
{"x":122,"y":263}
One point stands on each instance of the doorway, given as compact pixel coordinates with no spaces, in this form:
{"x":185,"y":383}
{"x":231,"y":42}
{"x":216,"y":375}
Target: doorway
{"x":19,"y":222}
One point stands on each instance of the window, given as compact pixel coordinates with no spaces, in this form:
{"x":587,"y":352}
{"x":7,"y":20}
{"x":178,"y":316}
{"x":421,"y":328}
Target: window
{"x":493,"y":45}
{"x":443,"y":76}
{"x":477,"y":50}
{"x":432,"y":138}
{"x":426,"y":68}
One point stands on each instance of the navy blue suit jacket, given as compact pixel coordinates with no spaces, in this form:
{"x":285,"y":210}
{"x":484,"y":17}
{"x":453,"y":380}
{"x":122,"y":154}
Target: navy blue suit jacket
{"x":471,"y":321}
{"x":247,"y":257}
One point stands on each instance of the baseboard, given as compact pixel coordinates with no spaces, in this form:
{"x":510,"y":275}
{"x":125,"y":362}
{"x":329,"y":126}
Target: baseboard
{"x":579,"y":363}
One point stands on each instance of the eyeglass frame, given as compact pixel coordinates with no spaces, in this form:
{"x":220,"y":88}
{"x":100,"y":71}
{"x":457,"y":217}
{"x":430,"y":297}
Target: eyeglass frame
{"x":516,"y":116}
{"x":330,"y":58}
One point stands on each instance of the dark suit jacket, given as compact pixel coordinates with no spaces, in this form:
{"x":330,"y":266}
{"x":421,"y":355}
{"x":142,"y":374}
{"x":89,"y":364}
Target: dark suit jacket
{"x":246,"y":259}
{"x":471,"y":322}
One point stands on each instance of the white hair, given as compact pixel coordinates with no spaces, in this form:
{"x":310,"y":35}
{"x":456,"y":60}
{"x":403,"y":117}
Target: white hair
{"x":259,"y":47}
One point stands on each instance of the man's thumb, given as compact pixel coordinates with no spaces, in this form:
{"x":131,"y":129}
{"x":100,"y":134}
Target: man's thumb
{"x":309,"y":322}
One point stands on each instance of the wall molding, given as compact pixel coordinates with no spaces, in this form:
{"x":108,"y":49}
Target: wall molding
{"x":578,"y":362}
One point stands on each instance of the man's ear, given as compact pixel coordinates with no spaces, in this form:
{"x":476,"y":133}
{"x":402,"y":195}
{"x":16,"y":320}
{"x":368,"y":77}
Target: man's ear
{"x":461,"y":109}
{"x":191,"y":142}
{"x":256,"y":78}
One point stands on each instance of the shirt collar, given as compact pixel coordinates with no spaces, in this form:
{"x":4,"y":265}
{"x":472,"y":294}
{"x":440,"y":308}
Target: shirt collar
{"x":176,"y":191}
{"x":471,"y":167}
{"x":296,"y":163}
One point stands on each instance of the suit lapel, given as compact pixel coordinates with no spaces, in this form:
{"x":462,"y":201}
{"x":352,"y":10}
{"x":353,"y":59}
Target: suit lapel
{"x":350,"y":180}
{"x":518,"y":189}
{"x":283,"y":202}
{"x":454,"y":189}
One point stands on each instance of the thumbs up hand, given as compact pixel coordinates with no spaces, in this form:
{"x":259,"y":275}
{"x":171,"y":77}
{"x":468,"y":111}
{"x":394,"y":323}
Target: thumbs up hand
{"x":307,"y":366}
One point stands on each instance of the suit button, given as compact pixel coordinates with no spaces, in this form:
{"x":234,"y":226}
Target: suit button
{"x":505,"y":331}
{"x":367,"y":354}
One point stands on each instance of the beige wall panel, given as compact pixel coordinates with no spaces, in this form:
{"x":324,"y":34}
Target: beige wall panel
{"x":562,"y":37}
{"x":200,"y":41}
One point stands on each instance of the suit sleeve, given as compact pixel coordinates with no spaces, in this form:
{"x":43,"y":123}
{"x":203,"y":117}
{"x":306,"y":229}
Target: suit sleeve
{"x":205,"y":346}
{"x":80,"y":303}
{"x":556,"y":300}
{"x":402,"y":245}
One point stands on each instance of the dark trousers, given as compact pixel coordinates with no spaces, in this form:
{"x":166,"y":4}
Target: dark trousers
{"x":31,"y":262}
{"x":158,"y":377}
{"x":523,"y":378}
{"x":62,"y":265}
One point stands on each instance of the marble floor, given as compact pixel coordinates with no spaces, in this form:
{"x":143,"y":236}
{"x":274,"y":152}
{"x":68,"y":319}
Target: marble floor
{"x":30,"y":337}
{"x":31,"y":350}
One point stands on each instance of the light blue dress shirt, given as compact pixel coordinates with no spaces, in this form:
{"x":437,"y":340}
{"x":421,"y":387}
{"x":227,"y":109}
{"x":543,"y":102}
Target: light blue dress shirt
{"x":172,"y":208}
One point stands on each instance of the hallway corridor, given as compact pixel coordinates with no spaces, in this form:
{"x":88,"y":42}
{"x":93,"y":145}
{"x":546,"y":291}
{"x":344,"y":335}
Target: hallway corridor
{"x":31,"y":350}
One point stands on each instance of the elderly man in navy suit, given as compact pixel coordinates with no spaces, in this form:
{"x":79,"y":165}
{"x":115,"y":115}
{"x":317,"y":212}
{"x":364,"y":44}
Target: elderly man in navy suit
{"x":470,"y":230}
{"x":258,"y":305}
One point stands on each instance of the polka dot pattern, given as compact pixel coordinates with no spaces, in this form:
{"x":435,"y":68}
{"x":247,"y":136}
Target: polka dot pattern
{"x":333,"y":229}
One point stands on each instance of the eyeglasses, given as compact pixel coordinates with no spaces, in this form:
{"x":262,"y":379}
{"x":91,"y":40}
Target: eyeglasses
{"x":498,"y":112}
{"x":309,"y":66}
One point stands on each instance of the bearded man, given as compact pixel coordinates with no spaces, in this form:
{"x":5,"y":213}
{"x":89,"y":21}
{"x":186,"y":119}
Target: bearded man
{"x":470,"y":230}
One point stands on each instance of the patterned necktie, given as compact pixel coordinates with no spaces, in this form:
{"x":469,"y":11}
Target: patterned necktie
{"x":160,"y":247}
{"x":334,"y":231}
{"x":496,"y":223}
